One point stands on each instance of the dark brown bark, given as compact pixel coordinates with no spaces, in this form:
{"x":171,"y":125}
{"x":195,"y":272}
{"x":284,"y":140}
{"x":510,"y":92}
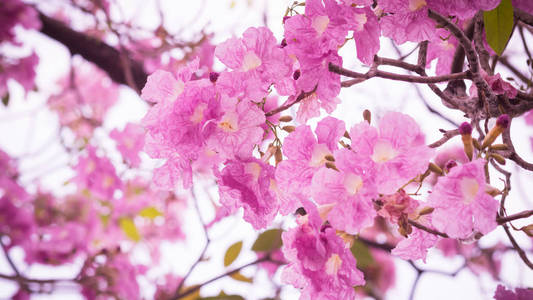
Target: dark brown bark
{"x":106,"y":57}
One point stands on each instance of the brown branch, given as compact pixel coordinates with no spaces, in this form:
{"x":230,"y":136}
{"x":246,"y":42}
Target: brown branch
{"x":197,"y":287}
{"x":470,"y":52}
{"x":511,"y":153}
{"x":400,"y":77}
{"x":204,"y":250}
{"x":447,"y":136}
{"x":520,"y":251}
{"x":523,"y":16}
{"x":427,"y":229}
{"x":520,"y":215}
{"x":300,"y":97}
{"x":94,"y":50}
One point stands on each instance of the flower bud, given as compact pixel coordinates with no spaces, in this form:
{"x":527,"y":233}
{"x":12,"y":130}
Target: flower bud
{"x":466,"y":135}
{"x":285,"y":119}
{"x":449,"y":165}
{"x":288,"y":128}
{"x":296,"y":74}
{"x":329,"y":157}
{"x":499,"y":147}
{"x":501,"y":124}
{"x":367,"y":116}
{"x":347,"y":135}
{"x":500,"y":159}
{"x":435,"y":169}
{"x":213,"y":76}
{"x":331,"y":165}
{"x":278,"y":155}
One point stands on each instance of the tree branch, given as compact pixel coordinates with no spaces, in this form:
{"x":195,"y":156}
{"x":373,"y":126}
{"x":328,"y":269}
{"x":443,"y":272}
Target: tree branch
{"x":107,"y":58}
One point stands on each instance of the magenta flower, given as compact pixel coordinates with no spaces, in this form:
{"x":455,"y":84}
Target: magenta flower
{"x":397,"y":147}
{"x":460,"y":202}
{"x":416,"y":245}
{"x":519,"y":293}
{"x":320,"y":263}
{"x":257,"y":62}
{"x":129,"y":142}
{"x":97,"y":174}
{"x":347,"y":193}
{"x":248,"y":183}
{"x":305,"y":156}
{"x":237,"y":130}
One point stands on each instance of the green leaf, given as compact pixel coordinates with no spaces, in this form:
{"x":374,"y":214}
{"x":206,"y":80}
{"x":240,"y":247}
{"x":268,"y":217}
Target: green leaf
{"x":238,"y":276}
{"x":130,"y":229}
{"x":150,"y":212}
{"x":268,"y":241}
{"x":232,"y":253}
{"x":5,"y":99}
{"x":362,"y":254}
{"x":499,"y":25}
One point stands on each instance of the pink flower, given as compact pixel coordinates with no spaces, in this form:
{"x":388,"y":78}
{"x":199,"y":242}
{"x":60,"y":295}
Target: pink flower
{"x":416,"y":245}
{"x":347,"y":193}
{"x":247,"y":183}
{"x":176,"y":130}
{"x":16,"y":12}
{"x":519,"y":293}
{"x":22,"y":70}
{"x":257,"y":62}
{"x":320,"y":263}
{"x":396,"y":205}
{"x":524,"y":5}
{"x":237,"y":130}
{"x":305,"y":155}
{"x":460,"y":202}
{"x":129,"y":142}
{"x":97,"y":174}
{"x":366,"y":32}
{"x":397,"y":147}
{"x":441,"y":47}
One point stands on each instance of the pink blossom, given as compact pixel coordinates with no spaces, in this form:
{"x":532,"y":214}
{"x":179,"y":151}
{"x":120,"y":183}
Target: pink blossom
{"x":524,"y":5}
{"x":320,"y":263}
{"x":21,"y":70}
{"x":305,"y":155}
{"x":501,"y":87}
{"x":59,"y":244}
{"x":416,"y":245}
{"x":347,"y":193}
{"x":519,"y":293}
{"x":247,"y":183}
{"x":129,"y":142}
{"x":16,"y":12}
{"x":396,"y":146}
{"x":395,"y":205}
{"x":97,"y":174}
{"x":442,"y":47}
{"x":460,"y":202}
{"x":257,"y":62}
{"x":238,"y":129}
{"x":366,"y":32}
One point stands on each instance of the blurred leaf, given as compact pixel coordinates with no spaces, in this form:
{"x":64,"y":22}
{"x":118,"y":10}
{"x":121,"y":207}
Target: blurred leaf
{"x":150,"y":212}
{"x":130,"y":229}
{"x":499,"y":25}
{"x":194,"y":296}
{"x":238,"y":276}
{"x":362,"y":254}
{"x":232,"y":253}
{"x":223,"y":296}
{"x":268,"y":241}
{"x":5,"y":100}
